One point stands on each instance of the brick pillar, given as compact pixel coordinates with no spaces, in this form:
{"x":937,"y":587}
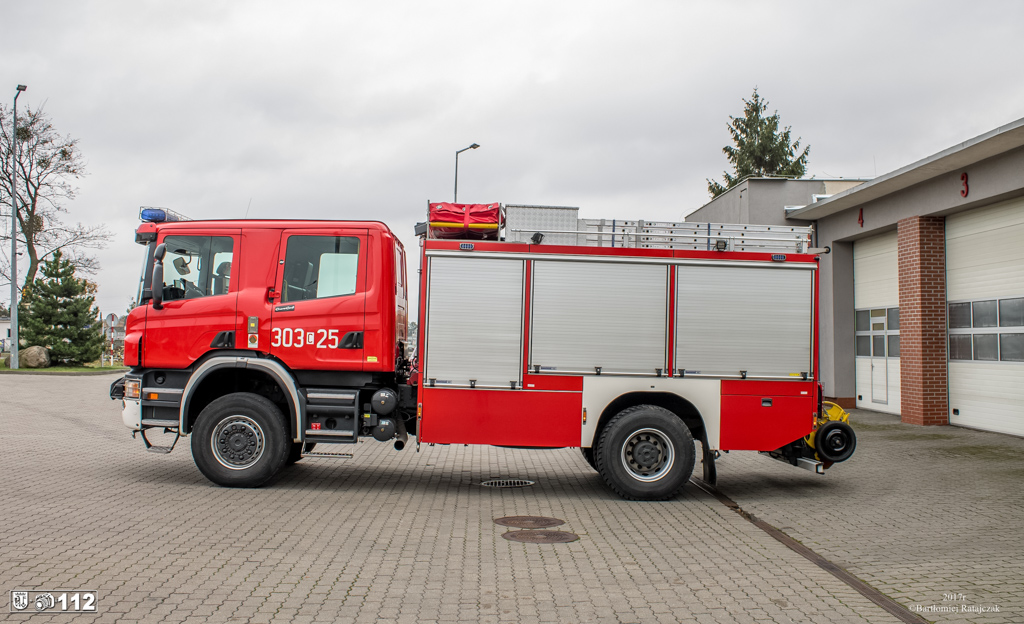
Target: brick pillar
{"x":922,"y":262}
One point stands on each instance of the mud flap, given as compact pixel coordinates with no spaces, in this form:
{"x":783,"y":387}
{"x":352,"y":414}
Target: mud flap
{"x":708,"y":461}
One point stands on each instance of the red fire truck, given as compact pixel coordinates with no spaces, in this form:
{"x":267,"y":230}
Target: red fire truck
{"x":630,"y":340}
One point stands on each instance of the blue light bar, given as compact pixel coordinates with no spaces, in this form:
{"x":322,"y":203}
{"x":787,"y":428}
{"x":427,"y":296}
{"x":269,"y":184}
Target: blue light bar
{"x":158,"y":215}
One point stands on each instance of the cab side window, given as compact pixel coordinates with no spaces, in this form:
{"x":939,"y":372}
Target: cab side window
{"x":316,"y":267}
{"x":197,"y":266}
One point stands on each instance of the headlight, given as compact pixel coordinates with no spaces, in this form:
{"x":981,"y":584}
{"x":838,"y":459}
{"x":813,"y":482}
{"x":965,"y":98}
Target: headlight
{"x":132,"y":388}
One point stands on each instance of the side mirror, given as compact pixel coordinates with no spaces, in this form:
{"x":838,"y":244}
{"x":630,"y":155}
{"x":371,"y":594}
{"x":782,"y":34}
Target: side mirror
{"x":181,"y":266}
{"x":158,"y":276}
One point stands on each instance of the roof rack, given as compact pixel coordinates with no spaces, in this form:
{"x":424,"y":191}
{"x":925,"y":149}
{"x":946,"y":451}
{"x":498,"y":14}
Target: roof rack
{"x":560,"y":226}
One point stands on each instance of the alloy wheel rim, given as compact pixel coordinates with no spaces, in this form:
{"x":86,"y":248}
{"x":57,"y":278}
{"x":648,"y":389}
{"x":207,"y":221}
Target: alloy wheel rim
{"x":648,"y":455}
{"x":238,"y":442}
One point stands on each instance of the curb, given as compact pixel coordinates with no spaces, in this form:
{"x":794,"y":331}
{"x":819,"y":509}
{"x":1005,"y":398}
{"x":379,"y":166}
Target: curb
{"x":62,"y":373}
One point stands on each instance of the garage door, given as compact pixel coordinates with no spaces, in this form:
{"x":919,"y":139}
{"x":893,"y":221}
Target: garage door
{"x":876,"y":299}
{"x":985,"y":293}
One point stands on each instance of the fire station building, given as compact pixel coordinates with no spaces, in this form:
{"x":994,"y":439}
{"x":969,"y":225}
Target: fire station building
{"x":922,"y":295}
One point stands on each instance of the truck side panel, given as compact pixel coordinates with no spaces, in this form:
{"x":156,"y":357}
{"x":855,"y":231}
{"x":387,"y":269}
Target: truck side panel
{"x":501,"y":417}
{"x":730,"y":337}
{"x":765,"y":415}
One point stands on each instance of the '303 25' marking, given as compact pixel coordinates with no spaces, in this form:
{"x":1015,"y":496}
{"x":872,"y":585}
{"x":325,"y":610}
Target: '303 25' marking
{"x":298,"y":337}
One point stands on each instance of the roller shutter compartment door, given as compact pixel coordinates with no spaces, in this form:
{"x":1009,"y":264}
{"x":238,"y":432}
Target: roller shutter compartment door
{"x":599,"y":314}
{"x":985,"y":312}
{"x":474,"y":322}
{"x":753,"y":319}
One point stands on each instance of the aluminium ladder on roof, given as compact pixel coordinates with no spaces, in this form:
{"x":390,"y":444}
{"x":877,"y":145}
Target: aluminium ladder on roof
{"x":696,"y":236}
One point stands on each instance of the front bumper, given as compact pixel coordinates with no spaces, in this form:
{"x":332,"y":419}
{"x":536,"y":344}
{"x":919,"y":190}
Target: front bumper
{"x":131,"y":412}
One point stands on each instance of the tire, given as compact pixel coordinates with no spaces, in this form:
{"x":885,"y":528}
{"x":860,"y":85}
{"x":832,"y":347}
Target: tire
{"x":240,"y":440}
{"x":295,"y":451}
{"x":645,"y":453}
{"x":588,"y":454}
{"x":835,"y":441}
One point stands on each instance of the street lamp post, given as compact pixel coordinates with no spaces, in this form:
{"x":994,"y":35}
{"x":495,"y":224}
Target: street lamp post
{"x":14,"y":231}
{"x":473,"y":146}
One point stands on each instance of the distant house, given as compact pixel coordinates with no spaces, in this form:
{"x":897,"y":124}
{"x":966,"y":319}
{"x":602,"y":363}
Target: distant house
{"x":5,"y":333}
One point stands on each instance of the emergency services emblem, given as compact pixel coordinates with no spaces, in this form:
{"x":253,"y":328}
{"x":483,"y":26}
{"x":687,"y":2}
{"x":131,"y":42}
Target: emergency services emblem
{"x":254,"y":341}
{"x":19,"y":600}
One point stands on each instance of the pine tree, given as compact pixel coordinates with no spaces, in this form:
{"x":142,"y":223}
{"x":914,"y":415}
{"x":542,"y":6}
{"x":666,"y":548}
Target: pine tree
{"x":761,"y":149}
{"x":58,"y":313}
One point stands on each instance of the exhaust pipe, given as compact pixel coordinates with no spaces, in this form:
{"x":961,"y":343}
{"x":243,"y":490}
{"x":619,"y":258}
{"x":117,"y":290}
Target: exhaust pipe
{"x":402,"y":435}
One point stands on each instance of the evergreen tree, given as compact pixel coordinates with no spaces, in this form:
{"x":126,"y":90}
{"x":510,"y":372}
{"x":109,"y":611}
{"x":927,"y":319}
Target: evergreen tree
{"x":58,"y":313}
{"x":760,"y":148}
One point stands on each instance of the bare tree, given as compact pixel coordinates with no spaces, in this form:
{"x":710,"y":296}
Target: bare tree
{"x":47,"y":166}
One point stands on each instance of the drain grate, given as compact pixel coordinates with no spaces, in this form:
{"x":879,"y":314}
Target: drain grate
{"x":541,"y":537}
{"x":528,"y":522}
{"x":507,"y":483}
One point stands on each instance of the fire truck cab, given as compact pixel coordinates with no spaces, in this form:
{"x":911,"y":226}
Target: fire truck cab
{"x":630,"y":340}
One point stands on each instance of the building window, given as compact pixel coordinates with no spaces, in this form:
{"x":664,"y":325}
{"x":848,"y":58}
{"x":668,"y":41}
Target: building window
{"x":1011,"y":347}
{"x":878,"y":332}
{"x":989,"y":330}
{"x":1011,"y":312}
{"x":986,"y":346}
{"x":960,"y":346}
{"x":959,"y":315}
{"x":984,"y":314}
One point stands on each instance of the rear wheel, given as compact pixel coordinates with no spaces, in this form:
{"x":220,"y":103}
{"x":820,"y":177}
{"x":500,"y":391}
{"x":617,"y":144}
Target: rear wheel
{"x":240,"y":440}
{"x":645,"y":453}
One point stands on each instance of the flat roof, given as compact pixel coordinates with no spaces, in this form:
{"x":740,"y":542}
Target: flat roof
{"x":994,"y":142}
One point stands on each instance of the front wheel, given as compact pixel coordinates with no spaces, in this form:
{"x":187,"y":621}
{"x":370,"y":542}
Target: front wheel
{"x":645,"y":453}
{"x":240,"y":440}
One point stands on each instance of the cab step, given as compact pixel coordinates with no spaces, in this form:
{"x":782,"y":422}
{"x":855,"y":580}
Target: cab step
{"x":152,"y":448}
{"x":327,"y":454}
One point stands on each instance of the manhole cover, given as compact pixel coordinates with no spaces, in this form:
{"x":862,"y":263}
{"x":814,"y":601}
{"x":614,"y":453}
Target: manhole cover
{"x":541,"y":537}
{"x":507,"y":483}
{"x":528,"y":522}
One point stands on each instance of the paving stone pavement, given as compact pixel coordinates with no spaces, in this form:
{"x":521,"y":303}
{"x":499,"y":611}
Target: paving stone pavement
{"x":920,"y":513}
{"x":409,"y":537}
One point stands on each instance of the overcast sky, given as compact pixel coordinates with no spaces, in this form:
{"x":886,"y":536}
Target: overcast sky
{"x":354,"y":110}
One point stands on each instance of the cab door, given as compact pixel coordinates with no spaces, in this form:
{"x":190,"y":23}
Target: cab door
{"x":317,"y":319}
{"x":199,"y":297}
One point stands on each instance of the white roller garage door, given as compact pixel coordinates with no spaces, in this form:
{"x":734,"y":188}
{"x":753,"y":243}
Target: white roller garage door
{"x":985,"y":291}
{"x":876,"y":299}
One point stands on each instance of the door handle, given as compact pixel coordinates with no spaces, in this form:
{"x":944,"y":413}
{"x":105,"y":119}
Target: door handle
{"x":352,"y":340}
